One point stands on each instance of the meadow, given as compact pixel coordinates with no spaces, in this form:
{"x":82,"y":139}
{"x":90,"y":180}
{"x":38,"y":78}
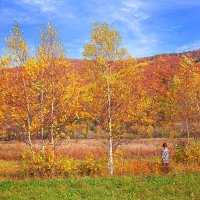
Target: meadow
{"x":182,"y":187}
{"x":81,"y":148}
{"x":138,"y":172}
{"x":139,"y":150}
{"x":88,"y":158}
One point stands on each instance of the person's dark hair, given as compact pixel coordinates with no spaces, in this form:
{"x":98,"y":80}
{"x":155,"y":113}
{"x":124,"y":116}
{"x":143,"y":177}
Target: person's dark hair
{"x":164,"y":145}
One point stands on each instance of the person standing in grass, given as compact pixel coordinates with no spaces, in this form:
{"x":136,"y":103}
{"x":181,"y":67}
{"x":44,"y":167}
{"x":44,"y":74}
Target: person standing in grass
{"x":165,"y":158}
{"x":165,"y":155}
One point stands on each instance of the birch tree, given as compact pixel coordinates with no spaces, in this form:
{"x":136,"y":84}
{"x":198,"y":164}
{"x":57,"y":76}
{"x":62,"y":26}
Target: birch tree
{"x":183,"y":95}
{"x":56,"y":85}
{"x":104,"y":48}
{"x":18,"y":55}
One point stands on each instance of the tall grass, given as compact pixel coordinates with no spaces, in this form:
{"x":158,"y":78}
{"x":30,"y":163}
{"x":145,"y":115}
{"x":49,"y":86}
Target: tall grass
{"x":81,"y":149}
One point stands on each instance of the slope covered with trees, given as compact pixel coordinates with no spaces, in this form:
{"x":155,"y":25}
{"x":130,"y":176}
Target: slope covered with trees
{"x":49,"y":94}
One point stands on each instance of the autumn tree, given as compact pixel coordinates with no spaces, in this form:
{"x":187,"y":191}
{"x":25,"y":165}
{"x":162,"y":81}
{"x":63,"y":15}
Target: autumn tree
{"x":134,"y":107}
{"x":183,"y":95}
{"x":4,"y":88}
{"x":18,"y":56}
{"x":104,"y":49}
{"x":55,"y":86}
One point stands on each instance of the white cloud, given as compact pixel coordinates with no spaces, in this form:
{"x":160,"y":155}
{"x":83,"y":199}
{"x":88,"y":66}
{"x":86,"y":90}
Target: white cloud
{"x":46,"y":6}
{"x":189,"y":46}
{"x":132,"y":16}
{"x":34,"y":11}
{"x":8,"y":15}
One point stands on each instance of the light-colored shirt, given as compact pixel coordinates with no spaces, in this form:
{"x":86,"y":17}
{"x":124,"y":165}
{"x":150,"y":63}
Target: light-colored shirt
{"x":165,"y":155}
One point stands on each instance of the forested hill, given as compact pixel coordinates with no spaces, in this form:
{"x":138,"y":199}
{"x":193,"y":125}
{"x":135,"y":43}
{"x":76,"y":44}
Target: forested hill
{"x":195,"y":54}
{"x":169,"y":58}
{"x":160,"y":68}
{"x":149,"y":95}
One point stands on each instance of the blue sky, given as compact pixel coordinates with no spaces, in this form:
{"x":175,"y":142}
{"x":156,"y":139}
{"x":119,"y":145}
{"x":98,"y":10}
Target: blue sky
{"x":147,"y":27}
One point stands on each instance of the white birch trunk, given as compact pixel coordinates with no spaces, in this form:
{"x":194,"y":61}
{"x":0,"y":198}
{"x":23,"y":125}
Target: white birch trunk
{"x":110,"y":129}
{"x":188,"y":131}
{"x":52,"y":133}
{"x":52,"y":123}
{"x":42,"y":118}
{"x":198,"y":109}
{"x":28,"y":116}
{"x":52,"y":105}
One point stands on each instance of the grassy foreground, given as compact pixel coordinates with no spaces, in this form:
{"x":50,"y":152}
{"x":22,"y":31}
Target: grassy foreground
{"x":185,"y":186}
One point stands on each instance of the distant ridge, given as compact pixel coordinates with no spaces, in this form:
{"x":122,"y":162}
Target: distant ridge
{"x":195,"y":54}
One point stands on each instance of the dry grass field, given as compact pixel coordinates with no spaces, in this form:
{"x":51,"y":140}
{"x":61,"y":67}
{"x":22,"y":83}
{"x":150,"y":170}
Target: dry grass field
{"x":81,"y":149}
{"x":133,"y":157}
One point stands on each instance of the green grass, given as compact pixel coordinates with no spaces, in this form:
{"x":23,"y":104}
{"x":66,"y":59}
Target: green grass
{"x":185,"y":186}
